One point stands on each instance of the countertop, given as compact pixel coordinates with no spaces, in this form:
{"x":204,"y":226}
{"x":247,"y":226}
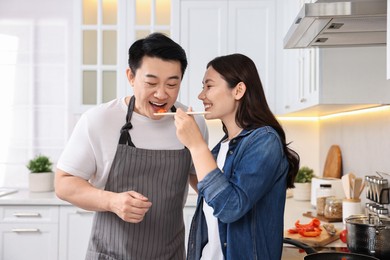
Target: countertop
{"x":25,"y":197}
{"x":293,"y":211}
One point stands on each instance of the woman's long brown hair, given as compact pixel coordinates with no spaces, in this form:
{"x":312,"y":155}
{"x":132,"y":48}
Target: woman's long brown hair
{"x":253,"y":110}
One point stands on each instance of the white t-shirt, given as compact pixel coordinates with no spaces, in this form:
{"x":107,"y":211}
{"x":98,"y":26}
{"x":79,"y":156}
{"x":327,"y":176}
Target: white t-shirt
{"x":212,"y":249}
{"x":91,"y":148}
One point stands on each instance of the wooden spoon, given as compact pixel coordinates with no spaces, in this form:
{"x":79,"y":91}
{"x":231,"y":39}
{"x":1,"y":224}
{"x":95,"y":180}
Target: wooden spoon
{"x":346,"y":185}
{"x":357,"y":187}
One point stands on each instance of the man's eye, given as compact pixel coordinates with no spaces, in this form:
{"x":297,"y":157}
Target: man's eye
{"x":151,"y":83}
{"x":173,"y":85}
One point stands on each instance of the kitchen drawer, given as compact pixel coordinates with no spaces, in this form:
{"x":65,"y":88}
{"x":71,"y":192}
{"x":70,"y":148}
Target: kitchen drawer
{"x":29,"y":214}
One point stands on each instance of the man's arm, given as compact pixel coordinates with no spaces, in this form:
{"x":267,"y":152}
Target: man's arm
{"x":129,"y":206}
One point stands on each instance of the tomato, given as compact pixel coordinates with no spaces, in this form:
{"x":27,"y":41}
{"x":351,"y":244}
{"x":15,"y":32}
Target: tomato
{"x":343,"y":236}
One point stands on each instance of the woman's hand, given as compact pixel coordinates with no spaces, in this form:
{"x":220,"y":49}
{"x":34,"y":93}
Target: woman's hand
{"x":187,"y":129}
{"x":188,"y":132}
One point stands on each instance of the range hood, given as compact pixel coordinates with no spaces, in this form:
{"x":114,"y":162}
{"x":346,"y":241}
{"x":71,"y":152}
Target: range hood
{"x":338,"y":23}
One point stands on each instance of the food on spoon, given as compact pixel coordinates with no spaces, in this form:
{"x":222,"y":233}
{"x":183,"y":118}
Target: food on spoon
{"x":162,"y":110}
{"x":311,"y":229}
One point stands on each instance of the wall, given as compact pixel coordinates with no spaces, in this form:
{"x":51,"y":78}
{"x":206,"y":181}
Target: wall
{"x":364,"y":140}
{"x":35,"y":67}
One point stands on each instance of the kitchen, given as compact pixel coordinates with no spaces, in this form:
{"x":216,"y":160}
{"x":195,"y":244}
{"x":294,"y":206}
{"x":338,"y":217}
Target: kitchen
{"x":46,"y":73}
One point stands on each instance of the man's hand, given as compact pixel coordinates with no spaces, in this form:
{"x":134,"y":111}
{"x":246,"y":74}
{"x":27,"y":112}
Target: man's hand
{"x":130,"y":206}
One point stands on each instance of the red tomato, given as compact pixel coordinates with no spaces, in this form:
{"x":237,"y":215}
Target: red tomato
{"x":343,"y":236}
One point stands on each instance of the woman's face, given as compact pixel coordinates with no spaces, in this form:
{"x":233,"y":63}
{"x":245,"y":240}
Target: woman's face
{"x":156,"y":85}
{"x":218,"y":99}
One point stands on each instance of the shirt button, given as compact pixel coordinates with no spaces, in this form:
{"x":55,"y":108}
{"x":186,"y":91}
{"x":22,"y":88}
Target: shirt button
{"x":234,"y":141}
{"x":224,"y":244}
{"x":230,"y":152}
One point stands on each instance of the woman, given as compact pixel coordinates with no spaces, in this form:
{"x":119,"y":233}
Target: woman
{"x":243,"y":180}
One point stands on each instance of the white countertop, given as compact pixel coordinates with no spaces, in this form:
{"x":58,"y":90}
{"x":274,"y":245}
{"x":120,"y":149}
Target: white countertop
{"x":25,"y":197}
{"x":294,"y":210}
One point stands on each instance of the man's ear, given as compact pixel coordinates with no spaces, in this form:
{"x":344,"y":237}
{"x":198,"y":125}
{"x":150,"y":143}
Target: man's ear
{"x":239,"y":90}
{"x":130,"y":76}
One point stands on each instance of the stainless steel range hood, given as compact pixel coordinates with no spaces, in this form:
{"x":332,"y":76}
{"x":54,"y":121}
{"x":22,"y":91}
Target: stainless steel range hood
{"x":334,"y":23}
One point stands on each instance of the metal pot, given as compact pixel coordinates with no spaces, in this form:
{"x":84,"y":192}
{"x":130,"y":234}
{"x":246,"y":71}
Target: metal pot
{"x":313,"y":255}
{"x":369,"y":235}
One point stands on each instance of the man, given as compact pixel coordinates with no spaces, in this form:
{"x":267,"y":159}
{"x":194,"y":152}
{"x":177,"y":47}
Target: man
{"x":126,"y":163}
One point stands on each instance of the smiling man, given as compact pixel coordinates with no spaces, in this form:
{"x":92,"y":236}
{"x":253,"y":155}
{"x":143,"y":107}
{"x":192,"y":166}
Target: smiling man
{"x":127,"y":164}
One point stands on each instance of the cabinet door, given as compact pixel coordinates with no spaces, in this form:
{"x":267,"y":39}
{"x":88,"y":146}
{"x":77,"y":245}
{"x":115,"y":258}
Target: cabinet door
{"x":252,"y":31}
{"x":28,"y":241}
{"x":75,"y":229}
{"x":29,"y":232}
{"x":203,"y":35}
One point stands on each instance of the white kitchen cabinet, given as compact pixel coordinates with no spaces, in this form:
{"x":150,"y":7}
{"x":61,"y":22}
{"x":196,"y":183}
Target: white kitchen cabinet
{"x":29,"y":232}
{"x":213,"y":28}
{"x":320,"y":81}
{"x":75,"y":229}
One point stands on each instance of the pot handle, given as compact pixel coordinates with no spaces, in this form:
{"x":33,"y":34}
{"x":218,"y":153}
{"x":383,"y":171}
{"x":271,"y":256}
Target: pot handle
{"x":308,"y":249}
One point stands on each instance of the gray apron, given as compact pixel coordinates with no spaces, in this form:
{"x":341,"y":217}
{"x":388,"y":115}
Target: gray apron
{"x":161,"y":176}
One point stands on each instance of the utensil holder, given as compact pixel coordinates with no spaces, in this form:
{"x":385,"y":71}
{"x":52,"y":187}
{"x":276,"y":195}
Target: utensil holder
{"x":351,"y":207}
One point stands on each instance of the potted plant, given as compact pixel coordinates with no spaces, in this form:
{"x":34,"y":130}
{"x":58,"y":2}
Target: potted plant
{"x":302,"y":183}
{"x":41,"y":177}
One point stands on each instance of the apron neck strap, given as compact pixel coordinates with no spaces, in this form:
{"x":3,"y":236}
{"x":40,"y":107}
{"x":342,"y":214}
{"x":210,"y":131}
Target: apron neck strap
{"x":125,"y":135}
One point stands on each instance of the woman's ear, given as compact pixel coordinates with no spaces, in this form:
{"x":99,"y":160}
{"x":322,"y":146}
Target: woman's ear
{"x":130,"y":76}
{"x":239,"y":90}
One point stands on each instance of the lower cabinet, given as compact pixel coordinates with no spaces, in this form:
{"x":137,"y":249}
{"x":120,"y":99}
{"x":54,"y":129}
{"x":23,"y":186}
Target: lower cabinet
{"x":75,"y":228}
{"x":28,"y":232}
{"x":50,"y":232}
{"x":44,"y":232}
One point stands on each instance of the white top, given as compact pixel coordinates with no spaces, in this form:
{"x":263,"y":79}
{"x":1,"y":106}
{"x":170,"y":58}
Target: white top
{"x":212,"y":249}
{"x":91,"y":148}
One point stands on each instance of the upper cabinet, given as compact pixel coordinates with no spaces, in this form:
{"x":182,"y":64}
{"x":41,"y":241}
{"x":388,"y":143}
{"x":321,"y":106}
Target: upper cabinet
{"x":219,"y":27}
{"x":320,"y":81}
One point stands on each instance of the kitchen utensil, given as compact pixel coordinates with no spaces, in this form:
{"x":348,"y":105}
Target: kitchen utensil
{"x":333,"y":163}
{"x":351,"y":207}
{"x":351,"y":177}
{"x":188,"y":113}
{"x":357,"y":187}
{"x":313,"y":255}
{"x":346,"y":186}
{"x":369,"y":235}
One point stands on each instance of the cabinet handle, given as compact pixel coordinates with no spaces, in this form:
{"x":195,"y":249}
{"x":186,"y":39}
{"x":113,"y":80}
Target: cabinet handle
{"x":25,"y":230}
{"x":287,"y":107}
{"x":83,"y":212}
{"x":27,"y":214}
{"x":303,"y":100}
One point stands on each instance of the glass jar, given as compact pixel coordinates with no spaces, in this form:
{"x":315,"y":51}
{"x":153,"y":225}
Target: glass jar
{"x":333,"y":208}
{"x":323,"y":192}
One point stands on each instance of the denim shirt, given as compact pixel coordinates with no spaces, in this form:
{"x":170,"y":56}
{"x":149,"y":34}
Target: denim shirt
{"x":247,"y":196}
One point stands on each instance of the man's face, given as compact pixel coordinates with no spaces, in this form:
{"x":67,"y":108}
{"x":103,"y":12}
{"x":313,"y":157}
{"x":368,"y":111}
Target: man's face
{"x":156,"y":85}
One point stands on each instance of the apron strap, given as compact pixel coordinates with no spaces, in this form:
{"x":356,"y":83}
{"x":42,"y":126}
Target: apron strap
{"x":125,"y":135}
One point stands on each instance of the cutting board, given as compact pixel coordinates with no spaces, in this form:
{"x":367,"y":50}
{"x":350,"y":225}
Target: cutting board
{"x":333,"y":163}
{"x":321,"y":240}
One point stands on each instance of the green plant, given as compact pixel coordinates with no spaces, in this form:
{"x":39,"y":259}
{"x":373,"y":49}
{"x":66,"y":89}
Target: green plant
{"x":305,"y":174}
{"x":39,"y":164}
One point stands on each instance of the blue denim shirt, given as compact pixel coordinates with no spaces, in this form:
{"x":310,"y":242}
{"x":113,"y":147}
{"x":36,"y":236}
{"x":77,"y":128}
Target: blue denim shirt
{"x":248,"y":198}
